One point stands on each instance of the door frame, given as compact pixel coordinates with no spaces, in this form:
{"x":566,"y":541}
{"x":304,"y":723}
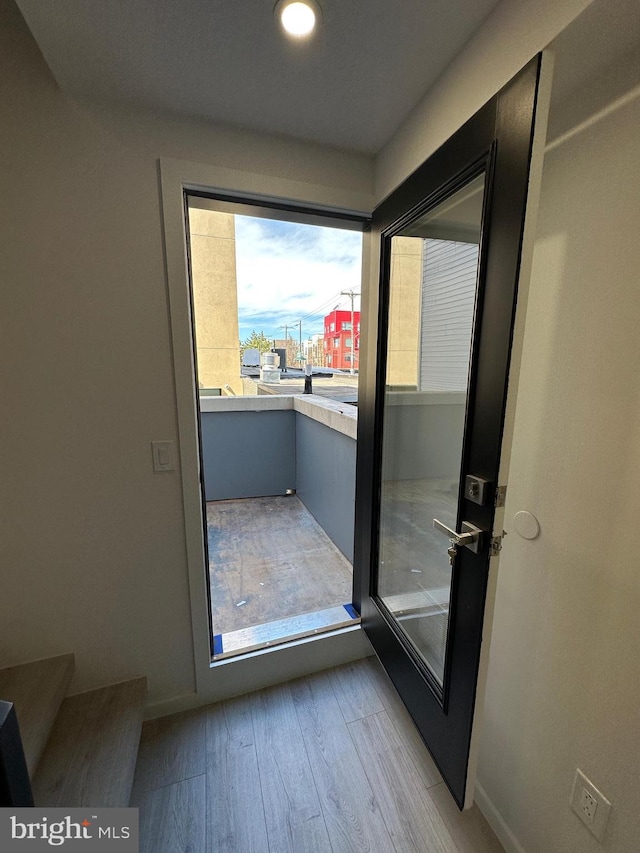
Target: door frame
{"x":503,"y":112}
{"x":254,"y":670}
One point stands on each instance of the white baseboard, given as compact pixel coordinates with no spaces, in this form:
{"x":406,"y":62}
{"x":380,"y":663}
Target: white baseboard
{"x":267,"y":667}
{"x":496,"y":821}
{"x":165,"y":707}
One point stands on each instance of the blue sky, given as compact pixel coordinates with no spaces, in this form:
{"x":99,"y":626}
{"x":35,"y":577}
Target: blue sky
{"x":287,"y":271}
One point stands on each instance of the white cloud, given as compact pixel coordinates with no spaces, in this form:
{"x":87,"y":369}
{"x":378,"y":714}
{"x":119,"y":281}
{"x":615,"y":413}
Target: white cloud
{"x":286,"y":271}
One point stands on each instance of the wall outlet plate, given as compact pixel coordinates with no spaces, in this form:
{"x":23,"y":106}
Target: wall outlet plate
{"x":591,"y":806}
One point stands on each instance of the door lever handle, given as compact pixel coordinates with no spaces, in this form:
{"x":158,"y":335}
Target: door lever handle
{"x":470,"y":538}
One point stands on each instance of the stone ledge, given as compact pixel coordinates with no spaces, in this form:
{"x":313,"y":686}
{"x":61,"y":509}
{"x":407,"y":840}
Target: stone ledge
{"x":341,"y":417}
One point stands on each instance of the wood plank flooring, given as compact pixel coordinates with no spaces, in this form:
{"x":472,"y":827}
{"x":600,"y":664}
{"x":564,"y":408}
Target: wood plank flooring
{"x":37,"y":690}
{"x":282,"y":759}
{"x":90,"y":757}
{"x":330,"y":762}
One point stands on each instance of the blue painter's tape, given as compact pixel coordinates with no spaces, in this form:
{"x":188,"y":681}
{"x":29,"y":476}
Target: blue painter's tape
{"x":217,"y":644}
{"x":351,"y":611}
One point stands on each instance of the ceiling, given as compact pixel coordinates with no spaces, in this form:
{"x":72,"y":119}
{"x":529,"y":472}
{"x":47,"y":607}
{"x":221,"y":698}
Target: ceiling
{"x":226,"y":61}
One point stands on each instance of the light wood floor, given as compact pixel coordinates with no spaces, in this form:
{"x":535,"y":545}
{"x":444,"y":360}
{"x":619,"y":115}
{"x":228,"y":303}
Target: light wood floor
{"x":329,"y":762}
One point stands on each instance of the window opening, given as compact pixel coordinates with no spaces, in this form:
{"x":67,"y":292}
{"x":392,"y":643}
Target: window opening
{"x":268,"y":290}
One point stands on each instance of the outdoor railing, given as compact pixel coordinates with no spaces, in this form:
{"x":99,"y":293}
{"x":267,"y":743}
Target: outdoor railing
{"x":273,"y":445}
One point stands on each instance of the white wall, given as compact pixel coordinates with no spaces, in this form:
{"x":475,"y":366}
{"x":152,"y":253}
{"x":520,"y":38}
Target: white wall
{"x":509,"y":37}
{"x":93,"y":542}
{"x":564,"y":678}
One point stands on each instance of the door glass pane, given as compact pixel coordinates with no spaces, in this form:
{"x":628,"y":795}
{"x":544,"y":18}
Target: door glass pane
{"x":433,"y":283}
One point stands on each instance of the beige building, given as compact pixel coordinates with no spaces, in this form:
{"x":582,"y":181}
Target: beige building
{"x":313,"y":352}
{"x":291,"y":347}
{"x":215,"y":297}
{"x":404,"y":312}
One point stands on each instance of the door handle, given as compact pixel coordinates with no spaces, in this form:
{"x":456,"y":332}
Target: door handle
{"x":470,"y":538}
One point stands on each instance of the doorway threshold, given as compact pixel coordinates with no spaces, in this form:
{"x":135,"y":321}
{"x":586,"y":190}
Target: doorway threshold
{"x":281,"y":631}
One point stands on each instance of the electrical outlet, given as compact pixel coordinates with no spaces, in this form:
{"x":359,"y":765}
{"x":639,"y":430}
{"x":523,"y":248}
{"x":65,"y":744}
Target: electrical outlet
{"x":590,"y":805}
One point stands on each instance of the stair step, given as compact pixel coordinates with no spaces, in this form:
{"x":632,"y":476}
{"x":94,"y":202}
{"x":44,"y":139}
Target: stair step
{"x":90,"y":758}
{"x":37,"y":690}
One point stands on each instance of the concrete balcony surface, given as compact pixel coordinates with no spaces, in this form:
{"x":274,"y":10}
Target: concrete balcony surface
{"x":279,"y":478}
{"x":271,"y":562}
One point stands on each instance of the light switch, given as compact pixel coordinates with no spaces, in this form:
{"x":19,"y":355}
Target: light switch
{"x":163,"y":456}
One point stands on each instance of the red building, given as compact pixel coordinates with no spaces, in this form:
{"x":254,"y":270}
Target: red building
{"x":340,"y":340}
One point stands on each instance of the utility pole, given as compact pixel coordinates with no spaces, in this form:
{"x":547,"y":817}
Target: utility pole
{"x":299,"y":325}
{"x":286,"y":343}
{"x":351,"y":296}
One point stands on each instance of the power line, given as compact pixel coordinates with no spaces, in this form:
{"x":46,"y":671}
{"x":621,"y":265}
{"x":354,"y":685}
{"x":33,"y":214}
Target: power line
{"x":320,"y":308}
{"x":315,"y":313}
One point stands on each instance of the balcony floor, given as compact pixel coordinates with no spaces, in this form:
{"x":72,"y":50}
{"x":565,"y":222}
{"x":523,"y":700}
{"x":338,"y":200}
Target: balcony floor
{"x":269,"y":559}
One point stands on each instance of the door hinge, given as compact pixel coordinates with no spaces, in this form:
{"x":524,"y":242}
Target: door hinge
{"x":501,"y":496}
{"x":495,"y":544}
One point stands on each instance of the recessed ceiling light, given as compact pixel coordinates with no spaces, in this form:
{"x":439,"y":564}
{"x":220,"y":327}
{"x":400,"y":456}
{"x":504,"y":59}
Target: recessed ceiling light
{"x":298,"y":18}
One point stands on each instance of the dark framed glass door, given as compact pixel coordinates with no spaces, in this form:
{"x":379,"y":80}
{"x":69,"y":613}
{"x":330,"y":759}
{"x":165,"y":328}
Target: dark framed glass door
{"x":432,"y":403}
